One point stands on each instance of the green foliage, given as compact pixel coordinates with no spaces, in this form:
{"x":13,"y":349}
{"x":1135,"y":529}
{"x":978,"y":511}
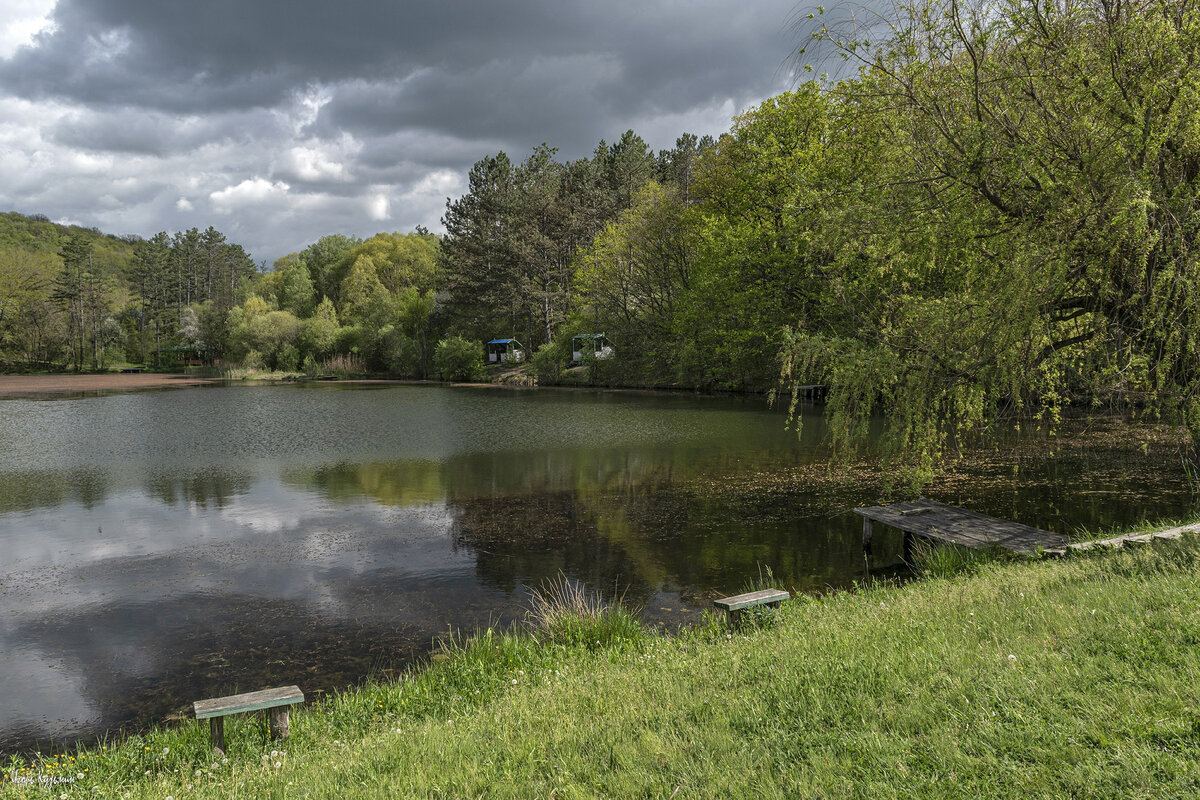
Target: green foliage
{"x":364,"y":297}
{"x":293,"y":286}
{"x":566,"y":612}
{"x":1023,"y":235}
{"x":328,"y":259}
{"x":636,"y":275}
{"x":550,"y":360}
{"x":935,"y":560}
{"x":270,"y":337}
{"x":320,"y":332}
{"x":512,"y":240}
{"x":458,"y":359}
{"x":414,"y":315}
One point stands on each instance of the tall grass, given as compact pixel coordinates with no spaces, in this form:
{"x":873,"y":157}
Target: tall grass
{"x":565,"y":611}
{"x":940,"y":560}
{"x":343,"y":366}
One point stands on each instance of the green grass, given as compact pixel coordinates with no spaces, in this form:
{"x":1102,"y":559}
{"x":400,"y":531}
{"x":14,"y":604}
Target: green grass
{"x":1071,"y":678}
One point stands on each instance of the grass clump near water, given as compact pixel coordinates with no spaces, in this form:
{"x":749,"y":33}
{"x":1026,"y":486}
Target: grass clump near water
{"x":1070,"y":678}
{"x":939,"y":560}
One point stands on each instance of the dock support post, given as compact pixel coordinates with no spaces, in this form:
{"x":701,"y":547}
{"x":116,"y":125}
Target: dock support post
{"x":867,"y":530}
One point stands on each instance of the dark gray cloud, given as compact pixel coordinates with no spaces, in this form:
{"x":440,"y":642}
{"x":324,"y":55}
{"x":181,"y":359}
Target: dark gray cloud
{"x":284,"y":119}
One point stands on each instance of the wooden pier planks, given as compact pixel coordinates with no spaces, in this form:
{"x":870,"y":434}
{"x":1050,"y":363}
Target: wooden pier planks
{"x":953,"y":525}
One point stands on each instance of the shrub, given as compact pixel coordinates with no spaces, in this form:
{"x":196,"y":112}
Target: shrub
{"x":548,"y":363}
{"x":458,"y":359}
{"x":288,"y":358}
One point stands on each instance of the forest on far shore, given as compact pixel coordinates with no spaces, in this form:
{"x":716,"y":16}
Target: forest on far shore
{"x":997,"y":212}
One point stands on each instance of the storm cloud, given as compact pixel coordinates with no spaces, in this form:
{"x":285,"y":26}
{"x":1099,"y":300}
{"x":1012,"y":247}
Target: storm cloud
{"x":281,"y":122}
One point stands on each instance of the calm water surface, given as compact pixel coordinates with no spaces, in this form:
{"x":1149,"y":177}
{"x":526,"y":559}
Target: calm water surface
{"x":160,"y":547}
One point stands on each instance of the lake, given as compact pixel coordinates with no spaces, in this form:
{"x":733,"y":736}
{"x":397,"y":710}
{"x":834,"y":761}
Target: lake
{"x":161,"y":547}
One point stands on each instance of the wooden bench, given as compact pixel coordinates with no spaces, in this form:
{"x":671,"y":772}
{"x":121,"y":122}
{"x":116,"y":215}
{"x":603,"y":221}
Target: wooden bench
{"x":274,"y":702}
{"x":734,"y":606}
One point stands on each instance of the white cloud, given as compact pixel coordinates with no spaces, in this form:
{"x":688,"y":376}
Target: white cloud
{"x":249,"y":192}
{"x":377,"y":207}
{"x":313,"y":163}
{"x":21,"y":21}
{"x":439,"y":183}
{"x":183,"y":204}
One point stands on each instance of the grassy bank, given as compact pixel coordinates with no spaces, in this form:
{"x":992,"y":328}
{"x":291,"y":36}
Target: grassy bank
{"x":1076,"y":678}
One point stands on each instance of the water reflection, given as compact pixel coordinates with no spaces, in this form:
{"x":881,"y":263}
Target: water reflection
{"x":157,"y":548}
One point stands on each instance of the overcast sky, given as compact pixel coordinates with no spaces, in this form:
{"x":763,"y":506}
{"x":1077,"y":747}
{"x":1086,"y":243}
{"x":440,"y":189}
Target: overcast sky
{"x":279,"y":122}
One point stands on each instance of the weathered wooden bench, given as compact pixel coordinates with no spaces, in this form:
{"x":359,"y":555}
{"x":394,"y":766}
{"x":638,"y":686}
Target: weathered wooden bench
{"x":274,"y":702}
{"x":734,"y":606}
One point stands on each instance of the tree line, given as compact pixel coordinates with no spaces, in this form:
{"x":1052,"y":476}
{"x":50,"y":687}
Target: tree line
{"x":995,"y":212}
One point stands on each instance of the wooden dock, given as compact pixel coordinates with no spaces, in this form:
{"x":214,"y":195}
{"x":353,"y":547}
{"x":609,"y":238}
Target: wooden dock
{"x":952,"y":525}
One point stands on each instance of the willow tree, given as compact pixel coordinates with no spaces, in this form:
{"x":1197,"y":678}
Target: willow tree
{"x":1026,"y":235}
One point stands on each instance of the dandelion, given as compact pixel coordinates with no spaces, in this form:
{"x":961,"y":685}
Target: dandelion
{"x":514,"y":681}
{"x":278,"y":764}
{"x":166,"y":750}
{"x":1012,"y":657}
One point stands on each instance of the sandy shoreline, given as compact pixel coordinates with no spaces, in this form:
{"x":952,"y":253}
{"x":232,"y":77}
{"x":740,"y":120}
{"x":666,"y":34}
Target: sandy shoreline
{"x":16,"y":385}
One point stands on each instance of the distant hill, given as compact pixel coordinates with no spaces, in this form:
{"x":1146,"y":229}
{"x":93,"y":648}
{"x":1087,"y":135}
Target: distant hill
{"x":37,"y":235}
{"x":115,"y":300}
